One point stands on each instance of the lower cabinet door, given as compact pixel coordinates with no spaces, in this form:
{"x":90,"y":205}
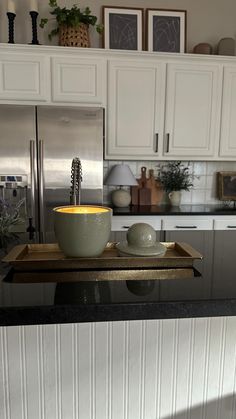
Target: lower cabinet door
{"x":200,"y":287}
{"x":224,"y":268}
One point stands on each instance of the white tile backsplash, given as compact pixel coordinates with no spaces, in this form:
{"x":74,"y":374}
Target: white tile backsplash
{"x":186,"y":197}
{"x":198,"y":196}
{"x":199,"y":182}
{"x":199,"y":168}
{"x":204,"y":189}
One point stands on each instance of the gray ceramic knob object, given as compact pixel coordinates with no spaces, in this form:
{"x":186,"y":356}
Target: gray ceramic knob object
{"x":141,"y":235}
{"x":141,"y":241}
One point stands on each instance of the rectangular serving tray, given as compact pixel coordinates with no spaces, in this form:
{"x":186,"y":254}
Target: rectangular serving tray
{"x":40,"y":263}
{"x":41,"y":257}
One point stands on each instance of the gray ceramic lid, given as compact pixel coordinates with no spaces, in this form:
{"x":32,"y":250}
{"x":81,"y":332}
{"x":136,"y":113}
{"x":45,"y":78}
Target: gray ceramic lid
{"x":141,"y":241}
{"x":126,"y":250}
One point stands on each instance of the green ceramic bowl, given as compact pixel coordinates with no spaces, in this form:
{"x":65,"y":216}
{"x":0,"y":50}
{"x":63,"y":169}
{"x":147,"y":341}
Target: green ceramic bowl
{"x":82,"y":230}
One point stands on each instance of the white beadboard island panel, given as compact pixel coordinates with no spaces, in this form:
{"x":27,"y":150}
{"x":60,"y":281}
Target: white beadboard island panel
{"x":155,"y":369}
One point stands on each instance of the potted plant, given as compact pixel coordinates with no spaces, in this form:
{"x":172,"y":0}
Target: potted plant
{"x":175,"y":178}
{"x":72,"y":25}
{"x":9,"y":217}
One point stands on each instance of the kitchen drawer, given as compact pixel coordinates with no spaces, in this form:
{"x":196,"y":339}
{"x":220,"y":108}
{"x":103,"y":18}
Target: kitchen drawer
{"x":122,"y":223}
{"x":187,"y":223}
{"x":225,"y":223}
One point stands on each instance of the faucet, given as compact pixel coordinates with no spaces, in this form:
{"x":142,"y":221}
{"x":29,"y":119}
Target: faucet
{"x":76,"y":179}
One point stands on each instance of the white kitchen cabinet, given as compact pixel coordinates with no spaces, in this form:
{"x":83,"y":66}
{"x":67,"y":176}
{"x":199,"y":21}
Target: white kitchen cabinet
{"x":192,"y":110}
{"x":188,"y":222}
{"x":225,"y":223}
{"x":228,"y":119}
{"x":158,"y":106}
{"x":24,"y":77}
{"x":135,"y":109}
{"x":79,"y":80}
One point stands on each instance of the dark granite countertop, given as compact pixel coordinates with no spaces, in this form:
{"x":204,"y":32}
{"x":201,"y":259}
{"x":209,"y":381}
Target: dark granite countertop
{"x":182,"y":210}
{"x":23,"y":304}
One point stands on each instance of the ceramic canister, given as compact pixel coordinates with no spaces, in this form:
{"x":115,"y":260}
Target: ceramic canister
{"x":175,"y":198}
{"x":82,"y":230}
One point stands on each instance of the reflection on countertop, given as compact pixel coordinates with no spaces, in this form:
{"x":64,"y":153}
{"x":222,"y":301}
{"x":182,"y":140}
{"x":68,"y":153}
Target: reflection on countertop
{"x":48,"y":303}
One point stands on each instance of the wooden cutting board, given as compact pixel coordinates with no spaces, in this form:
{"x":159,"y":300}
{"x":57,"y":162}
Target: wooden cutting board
{"x":155,"y":192}
{"x":155,"y":188}
{"x":144,"y":193}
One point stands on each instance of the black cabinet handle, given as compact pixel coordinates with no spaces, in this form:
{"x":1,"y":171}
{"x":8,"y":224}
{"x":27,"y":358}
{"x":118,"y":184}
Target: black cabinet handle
{"x":185,"y":226}
{"x":125,"y":226}
{"x":167,"y":142}
{"x":231,"y":226}
{"x":156,"y":149}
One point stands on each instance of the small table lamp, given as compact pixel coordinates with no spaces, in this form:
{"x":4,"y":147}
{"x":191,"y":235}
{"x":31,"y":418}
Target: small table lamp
{"x":120,"y":175}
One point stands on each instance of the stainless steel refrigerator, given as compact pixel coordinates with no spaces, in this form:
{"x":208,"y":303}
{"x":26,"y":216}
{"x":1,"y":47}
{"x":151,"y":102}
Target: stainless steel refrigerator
{"x":37,"y":145}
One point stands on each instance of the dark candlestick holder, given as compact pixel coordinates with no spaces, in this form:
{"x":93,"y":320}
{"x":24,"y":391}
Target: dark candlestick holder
{"x":11,"y":18}
{"x":34,"y":16}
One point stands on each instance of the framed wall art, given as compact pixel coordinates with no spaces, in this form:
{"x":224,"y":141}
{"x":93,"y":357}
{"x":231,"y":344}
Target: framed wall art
{"x":166,"y":30}
{"x":227,"y":186}
{"x":123,"y":28}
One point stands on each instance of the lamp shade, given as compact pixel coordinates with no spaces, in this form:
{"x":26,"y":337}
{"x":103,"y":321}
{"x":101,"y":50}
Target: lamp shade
{"x":120,"y":175}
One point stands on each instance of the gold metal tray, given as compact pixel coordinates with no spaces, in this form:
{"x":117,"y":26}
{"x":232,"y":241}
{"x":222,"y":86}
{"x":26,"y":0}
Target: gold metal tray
{"x":47,"y":263}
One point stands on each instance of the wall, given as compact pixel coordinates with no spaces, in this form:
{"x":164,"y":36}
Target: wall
{"x":182,"y":369}
{"x":204,"y":190}
{"x":207,"y":21}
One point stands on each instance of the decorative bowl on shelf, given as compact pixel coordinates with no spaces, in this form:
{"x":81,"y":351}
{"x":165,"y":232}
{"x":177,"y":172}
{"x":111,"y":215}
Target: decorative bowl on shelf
{"x":82,"y":230}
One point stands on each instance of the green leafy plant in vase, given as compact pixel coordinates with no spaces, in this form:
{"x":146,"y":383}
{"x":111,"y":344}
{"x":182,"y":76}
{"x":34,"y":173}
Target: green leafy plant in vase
{"x":72,"y":25}
{"x":175,"y":178}
{"x":10,"y":216}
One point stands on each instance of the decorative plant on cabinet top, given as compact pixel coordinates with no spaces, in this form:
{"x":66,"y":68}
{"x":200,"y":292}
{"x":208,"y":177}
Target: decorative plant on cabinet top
{"x":72,"y":25}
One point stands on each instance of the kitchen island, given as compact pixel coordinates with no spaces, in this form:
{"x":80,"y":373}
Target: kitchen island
{"x":210,"y":295}
{"x":137,"y":339}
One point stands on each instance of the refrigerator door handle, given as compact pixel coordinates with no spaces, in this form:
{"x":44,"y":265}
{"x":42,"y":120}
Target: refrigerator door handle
{"x":41,"y":191}
{"x":32,"y":179}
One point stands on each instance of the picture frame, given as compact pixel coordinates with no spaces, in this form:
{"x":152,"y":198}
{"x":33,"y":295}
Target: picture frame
{"x":166,"y":30}
{"x":123,"y":28}
{"x":227,"y":186}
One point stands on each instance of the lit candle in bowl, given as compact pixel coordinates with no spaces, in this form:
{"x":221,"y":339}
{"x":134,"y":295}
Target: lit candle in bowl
{"x":34,"y":6}
{"x":11,"y":6}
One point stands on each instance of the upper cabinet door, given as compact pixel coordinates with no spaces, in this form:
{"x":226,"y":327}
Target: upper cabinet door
{"x":192,"y":110}
{"x":228,"y":119}
{"x":135,"y":112}
{"x":79,"y":80}
{"x":24,"y":77}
